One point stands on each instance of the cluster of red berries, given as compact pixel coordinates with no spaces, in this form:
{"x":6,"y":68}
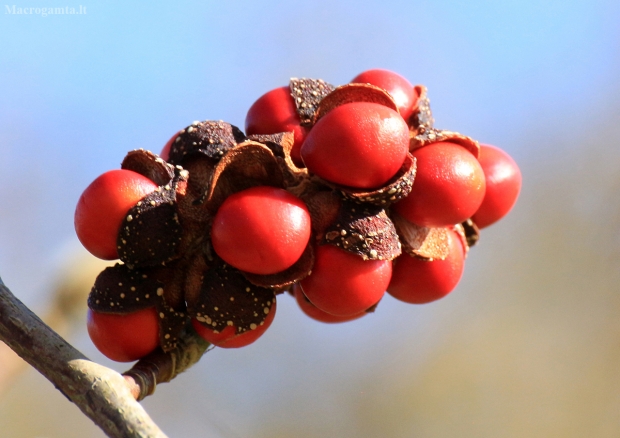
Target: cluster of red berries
{"x":334,"y":194}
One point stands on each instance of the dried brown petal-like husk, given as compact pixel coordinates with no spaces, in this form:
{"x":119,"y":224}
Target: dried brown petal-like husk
{"x":247,"y":165}
{"x":307,"y":94}
{"x":121,"y":290}
{"x":421,"y":119}
{"x":151,"y":232}
{"x":211,"y":139}
{"x":365,"y":230}
{"x":423,"y":242}
{"x":281,"y":280}
{"x":433,"y":135}
{"x":228,"y":298}
{"x":281,"y":145}
{"x":350,"y":93}
{"x":148,"y":164}
{"x":396,"y":189}
{"x":472,"y":232}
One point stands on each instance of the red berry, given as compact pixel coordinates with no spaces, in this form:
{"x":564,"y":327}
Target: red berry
{"x":230,"y":337}
{"x":275,"y":112}
{"x":448,"y":188}
{"x":344,"y":284}
{"x":420,"y":281}
{"x":317,"y":314}
{"x":397,"y":86}
{"x":262,"y":230}
{"x":503,"y":181}
{"x":358,"y":144}
{"x":124,"y":338}
{"x":103,"y":207}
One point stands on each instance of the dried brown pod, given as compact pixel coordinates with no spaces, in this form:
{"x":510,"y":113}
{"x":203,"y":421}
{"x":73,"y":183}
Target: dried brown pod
{"x":148,"y":164}
{"x":248,"y":165}
{"x":307,"y":94}
{"x":211,"y":139}
{"x":121,"y":290}
{"x":282,"y":280}
{"x":421,"y":119}
{"x":471,"y":232}
{"x":422,"y":242}
{"x":365,"y":230}
{"x":396,"y":189}
{"x":281,"y":145}
{"x":433,"y":135}
{"x":354,"y":93}
{"x":227,"y":298}
{"x":151,"y":232}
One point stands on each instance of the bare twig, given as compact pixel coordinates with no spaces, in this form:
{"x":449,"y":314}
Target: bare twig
{"x":101,"y":393}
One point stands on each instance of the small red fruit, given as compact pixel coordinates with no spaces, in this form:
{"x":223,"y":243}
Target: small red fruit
{"x":262,"y":230}
{"x":503,"y":182}
{"x":275,"y":112}
{"x":124,"y":338}
{"x":317,"y":314}
{"x":418,"y":281}
{"x":358,"y":144}
{"x":399,"y":88}
{"x":230,"y":336}
{"x":103,"y":206}
{"x":448,"y":188}
{"x":344,"y":284}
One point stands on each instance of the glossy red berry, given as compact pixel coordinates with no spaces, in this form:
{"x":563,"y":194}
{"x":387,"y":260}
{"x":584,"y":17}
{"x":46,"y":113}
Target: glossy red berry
{"x":124,"y":338}
{"x":344,"y":284}
{"x":230,"y":337}
{"x":104,"y":205}
{"x":396,"y":85}
{"x":317,"y":314}
{"x":448,"y":189}
{"x":358,"y":144}
{"x":275,"y":112}
{"x":503,"y":184}
{"x":419,"y":281}
{"x":262,"y":230}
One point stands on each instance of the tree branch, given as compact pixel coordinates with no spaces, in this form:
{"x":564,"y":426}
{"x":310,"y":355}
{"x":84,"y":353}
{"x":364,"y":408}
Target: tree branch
{"x":101,"y":393}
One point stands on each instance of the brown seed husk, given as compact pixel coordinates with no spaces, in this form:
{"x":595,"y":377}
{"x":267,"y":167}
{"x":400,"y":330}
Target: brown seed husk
{"x":171,"y":324}
{"x":281,"y":280}
{"x":433,"y":135}
{"x":324,"y":207}
{"x":211,"y":139}
{"x":307,"y":94}
{"x":247,"y":165}
{"x":281,"y":145}
{"x":471,"y":232}
{"x":422,"y":242}
{"x":350,"y":93}
{"x":421,"y":120}
{"x":228,"y":298}
{"x":396,"y":189}
{"x":121,"y":290}
{"x":148,"y":164}
{"x":151,"y":232}
{"x":365,"y":230}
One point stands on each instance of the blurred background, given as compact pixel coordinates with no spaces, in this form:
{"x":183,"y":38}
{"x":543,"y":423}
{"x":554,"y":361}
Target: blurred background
{"x":529,"y":343}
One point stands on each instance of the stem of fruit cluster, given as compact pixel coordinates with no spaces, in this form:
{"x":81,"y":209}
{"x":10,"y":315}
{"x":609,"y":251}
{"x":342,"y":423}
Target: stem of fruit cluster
{"x":101,"y":393}
{"x":160,"y":367}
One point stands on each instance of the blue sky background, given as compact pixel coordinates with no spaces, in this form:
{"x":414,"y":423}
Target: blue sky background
{"x":78,"y":91}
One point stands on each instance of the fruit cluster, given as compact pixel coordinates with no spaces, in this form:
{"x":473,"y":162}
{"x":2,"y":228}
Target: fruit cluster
{"x":334,"y":194}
